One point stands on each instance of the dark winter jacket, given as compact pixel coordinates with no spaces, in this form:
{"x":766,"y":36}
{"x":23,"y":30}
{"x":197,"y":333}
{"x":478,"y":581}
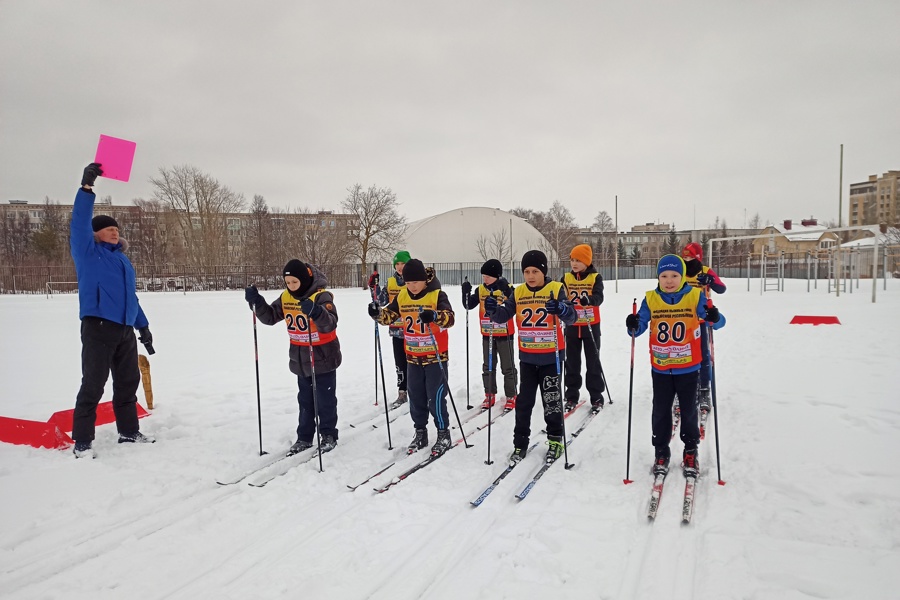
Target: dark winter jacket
{"x":106,"y":280}
{"x":327,"y":356}
{"x":596,"y":295}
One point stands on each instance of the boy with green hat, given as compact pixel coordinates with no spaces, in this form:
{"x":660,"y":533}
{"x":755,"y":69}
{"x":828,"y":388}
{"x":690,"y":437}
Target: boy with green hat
{"x":387,"y":295}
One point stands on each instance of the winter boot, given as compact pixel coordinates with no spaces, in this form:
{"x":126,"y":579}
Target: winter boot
{"x":510,"y":404}
{"x":489,"y":400}
{"x":556,"y":447}
{"x":443,"y":442}
{"x":597,"y":404}
{"x":517,"y":455}
{"x":83,"y":449}
{"x":704,"y":399}
{"x":401,"y":399}
{"x":419,"y":442}
{"x":571,"y":404}
{"x":661,"y":462}
{"x":299,"y":446}
{"x":328,"y":443}
{"x":691,"y":463}
{"x":135,"y":438}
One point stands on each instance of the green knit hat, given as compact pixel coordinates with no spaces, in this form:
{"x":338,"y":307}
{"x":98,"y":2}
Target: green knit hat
{"x":402,"y":256}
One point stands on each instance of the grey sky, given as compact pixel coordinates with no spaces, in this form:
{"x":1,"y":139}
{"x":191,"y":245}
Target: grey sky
{"x":718,"y":106}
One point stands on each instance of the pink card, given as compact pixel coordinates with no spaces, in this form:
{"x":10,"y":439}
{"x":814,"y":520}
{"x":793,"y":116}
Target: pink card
{"x":116,"y":157}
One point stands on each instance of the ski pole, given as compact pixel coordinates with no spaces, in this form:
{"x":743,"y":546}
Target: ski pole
{"x":562,"y":411}
{"x":312,"y":368}
{"x":602,"y":374}
{"x":380,"y":358}
{"x":712,"y":379}
{"x":437,"y":354}
{"x":468,"y":397}
{"x":626,"y":481}
{"x":258,"y":401}
{"x":491,"y":397}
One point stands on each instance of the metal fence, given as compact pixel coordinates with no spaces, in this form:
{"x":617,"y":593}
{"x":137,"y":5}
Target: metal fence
{"x":61,"y":279}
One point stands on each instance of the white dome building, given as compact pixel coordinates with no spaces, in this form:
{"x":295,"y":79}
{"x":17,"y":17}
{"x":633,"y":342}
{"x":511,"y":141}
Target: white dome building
{"x":460,"y":236}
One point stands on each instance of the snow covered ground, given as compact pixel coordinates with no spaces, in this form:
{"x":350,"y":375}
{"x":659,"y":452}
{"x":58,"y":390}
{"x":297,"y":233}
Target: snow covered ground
{"x":809,"y":421}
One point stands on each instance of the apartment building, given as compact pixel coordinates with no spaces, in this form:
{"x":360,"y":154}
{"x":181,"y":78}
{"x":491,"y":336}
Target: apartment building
{"x":876,"y":200}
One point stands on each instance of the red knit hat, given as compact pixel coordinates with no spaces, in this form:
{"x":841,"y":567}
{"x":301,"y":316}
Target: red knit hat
{"x":693,"y":250}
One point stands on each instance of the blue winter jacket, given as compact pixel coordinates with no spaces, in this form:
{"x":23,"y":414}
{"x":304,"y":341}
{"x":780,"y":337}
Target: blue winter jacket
{"x":675,"y":298}
{"x":106,"y":280}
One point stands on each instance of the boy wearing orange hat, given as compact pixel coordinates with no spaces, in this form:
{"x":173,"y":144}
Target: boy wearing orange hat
{"x":585,"y":286}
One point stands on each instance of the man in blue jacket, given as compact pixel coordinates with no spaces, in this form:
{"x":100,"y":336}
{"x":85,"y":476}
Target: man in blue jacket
{"x":109,"y":312}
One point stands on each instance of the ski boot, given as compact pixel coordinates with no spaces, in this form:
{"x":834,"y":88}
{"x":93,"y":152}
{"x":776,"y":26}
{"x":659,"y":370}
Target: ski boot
{"x":691,"y":463}
{"x":517,"y":456}
{"x":489,"y":400}
{"x":83,"y":449}
{"x":299,"y":446}
{"x":571,"y":403}
{"x":328,"y":443}
{"x":419,"y":442}
{"x":661,"y":462}
{"x":442,"y":444}
{"x":597,"y":404}
{"x":556,"y":448}
{"x":510,"y":404}
{"x":703,"y":395}
{"x":135,"y":438}
{"x":400,"y":401}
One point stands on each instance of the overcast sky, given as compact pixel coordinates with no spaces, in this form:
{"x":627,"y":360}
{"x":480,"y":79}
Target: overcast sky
{"x":711,"y":108}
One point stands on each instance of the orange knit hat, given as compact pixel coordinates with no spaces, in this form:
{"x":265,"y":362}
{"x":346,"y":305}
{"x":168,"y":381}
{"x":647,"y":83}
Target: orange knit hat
{"x":582,"y":253}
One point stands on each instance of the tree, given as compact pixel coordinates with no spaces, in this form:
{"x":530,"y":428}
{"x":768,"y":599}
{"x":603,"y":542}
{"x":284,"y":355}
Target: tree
{"x":672,"y":244}
{"x":50,"y":242}
{"x":495,"y":246}
{"x":620,"y":251}
{"x":15,"y":238}
{"x":378,"y":228}
{"x":636,"y":254}
{"x":604,"y":247}
{"x":258,"y":240}
{"x":561,"y":228}
{"x":201,"y":205}
{"x":322,"y":240}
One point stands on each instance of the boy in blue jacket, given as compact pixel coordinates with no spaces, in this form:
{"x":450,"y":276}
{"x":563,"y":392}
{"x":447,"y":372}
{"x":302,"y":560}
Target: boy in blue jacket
{"x":673,"y":313}
{"x":109,"y":312}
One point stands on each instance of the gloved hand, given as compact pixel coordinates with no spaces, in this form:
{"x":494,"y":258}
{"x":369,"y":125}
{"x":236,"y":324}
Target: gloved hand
{"x":374,"y":310}
{"x":91,"y":173}
{"x":585,"y":301}
{"x":705,"y":279}
{"x":490,"y":305}
{"x":252,"y":296}
{"x":632,"y":323}
{"x":428,"y":316}
{"x":146,"y":339}
{"x":504,"y":287}
{"x":373,"y":280}
{"x":310,"y":308}
{"x":555,"y":307}
{"x":712,"y":315}
{"x":466,"y":289}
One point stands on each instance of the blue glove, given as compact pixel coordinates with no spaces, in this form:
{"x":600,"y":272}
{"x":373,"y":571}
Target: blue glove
{"x":310,"y":308}
{"x":712,"y":314}
{"x":632,"y":323}
{"x":374,"y":310}
{"x":428,"y":316}
{"x":251,"y":295}
{"x":490,"y":305}
{"x":705,"y":279}
{"x":555,"y":307}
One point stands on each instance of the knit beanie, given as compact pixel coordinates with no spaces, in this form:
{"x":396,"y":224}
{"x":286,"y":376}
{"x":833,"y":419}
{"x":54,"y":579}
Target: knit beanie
{"x":492,"y":268}
{"x":300,"y":270}
{"x":102,"y":222}
{"x":535,"y":258}
{"x":582,"y":253}
{"x":402,"y":256}
{"x":693,"y":250}
{"x":413,"y":270}
{"x":670,"y":262}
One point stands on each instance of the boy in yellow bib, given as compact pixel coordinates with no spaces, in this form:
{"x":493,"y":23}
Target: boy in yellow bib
{"x":673,"y":312}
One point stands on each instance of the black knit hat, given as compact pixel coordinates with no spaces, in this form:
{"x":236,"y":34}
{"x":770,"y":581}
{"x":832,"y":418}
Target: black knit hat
{"x":301,"y":271}
{"x":535,"y":258}
{"x":414,"y":270}
{"x":102,"y":222}
{"x":492,"y":268}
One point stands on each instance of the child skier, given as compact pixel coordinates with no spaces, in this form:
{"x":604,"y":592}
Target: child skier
{"x":673,"y":313}
{"x":386,"y":296}
{"x":585,"y":287}
{"x":308,"y":310}
{"x":493,"y":284}
{"x":425,"y":314}
{"x":539,"y":307}
{"x":699,"y":275}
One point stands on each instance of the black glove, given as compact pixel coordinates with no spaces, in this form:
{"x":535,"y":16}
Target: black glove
{"x":585,"y":301}
{"x":504,"y":287}
{"x":555,"y":307}
{"x":490,"y":305}
{"x":146,"y":339}
{"x":310,"y":308}
{"x":91,"y":173}
{"x":251,"y":295}
{"x":466,"y":289}
{"x":428,"y":316}
{"x":712,"y":315}
{"x":374,"y":310}
{"x":373,"y":280}
{"x":632,"y":323}
{"x":705,"y":279}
